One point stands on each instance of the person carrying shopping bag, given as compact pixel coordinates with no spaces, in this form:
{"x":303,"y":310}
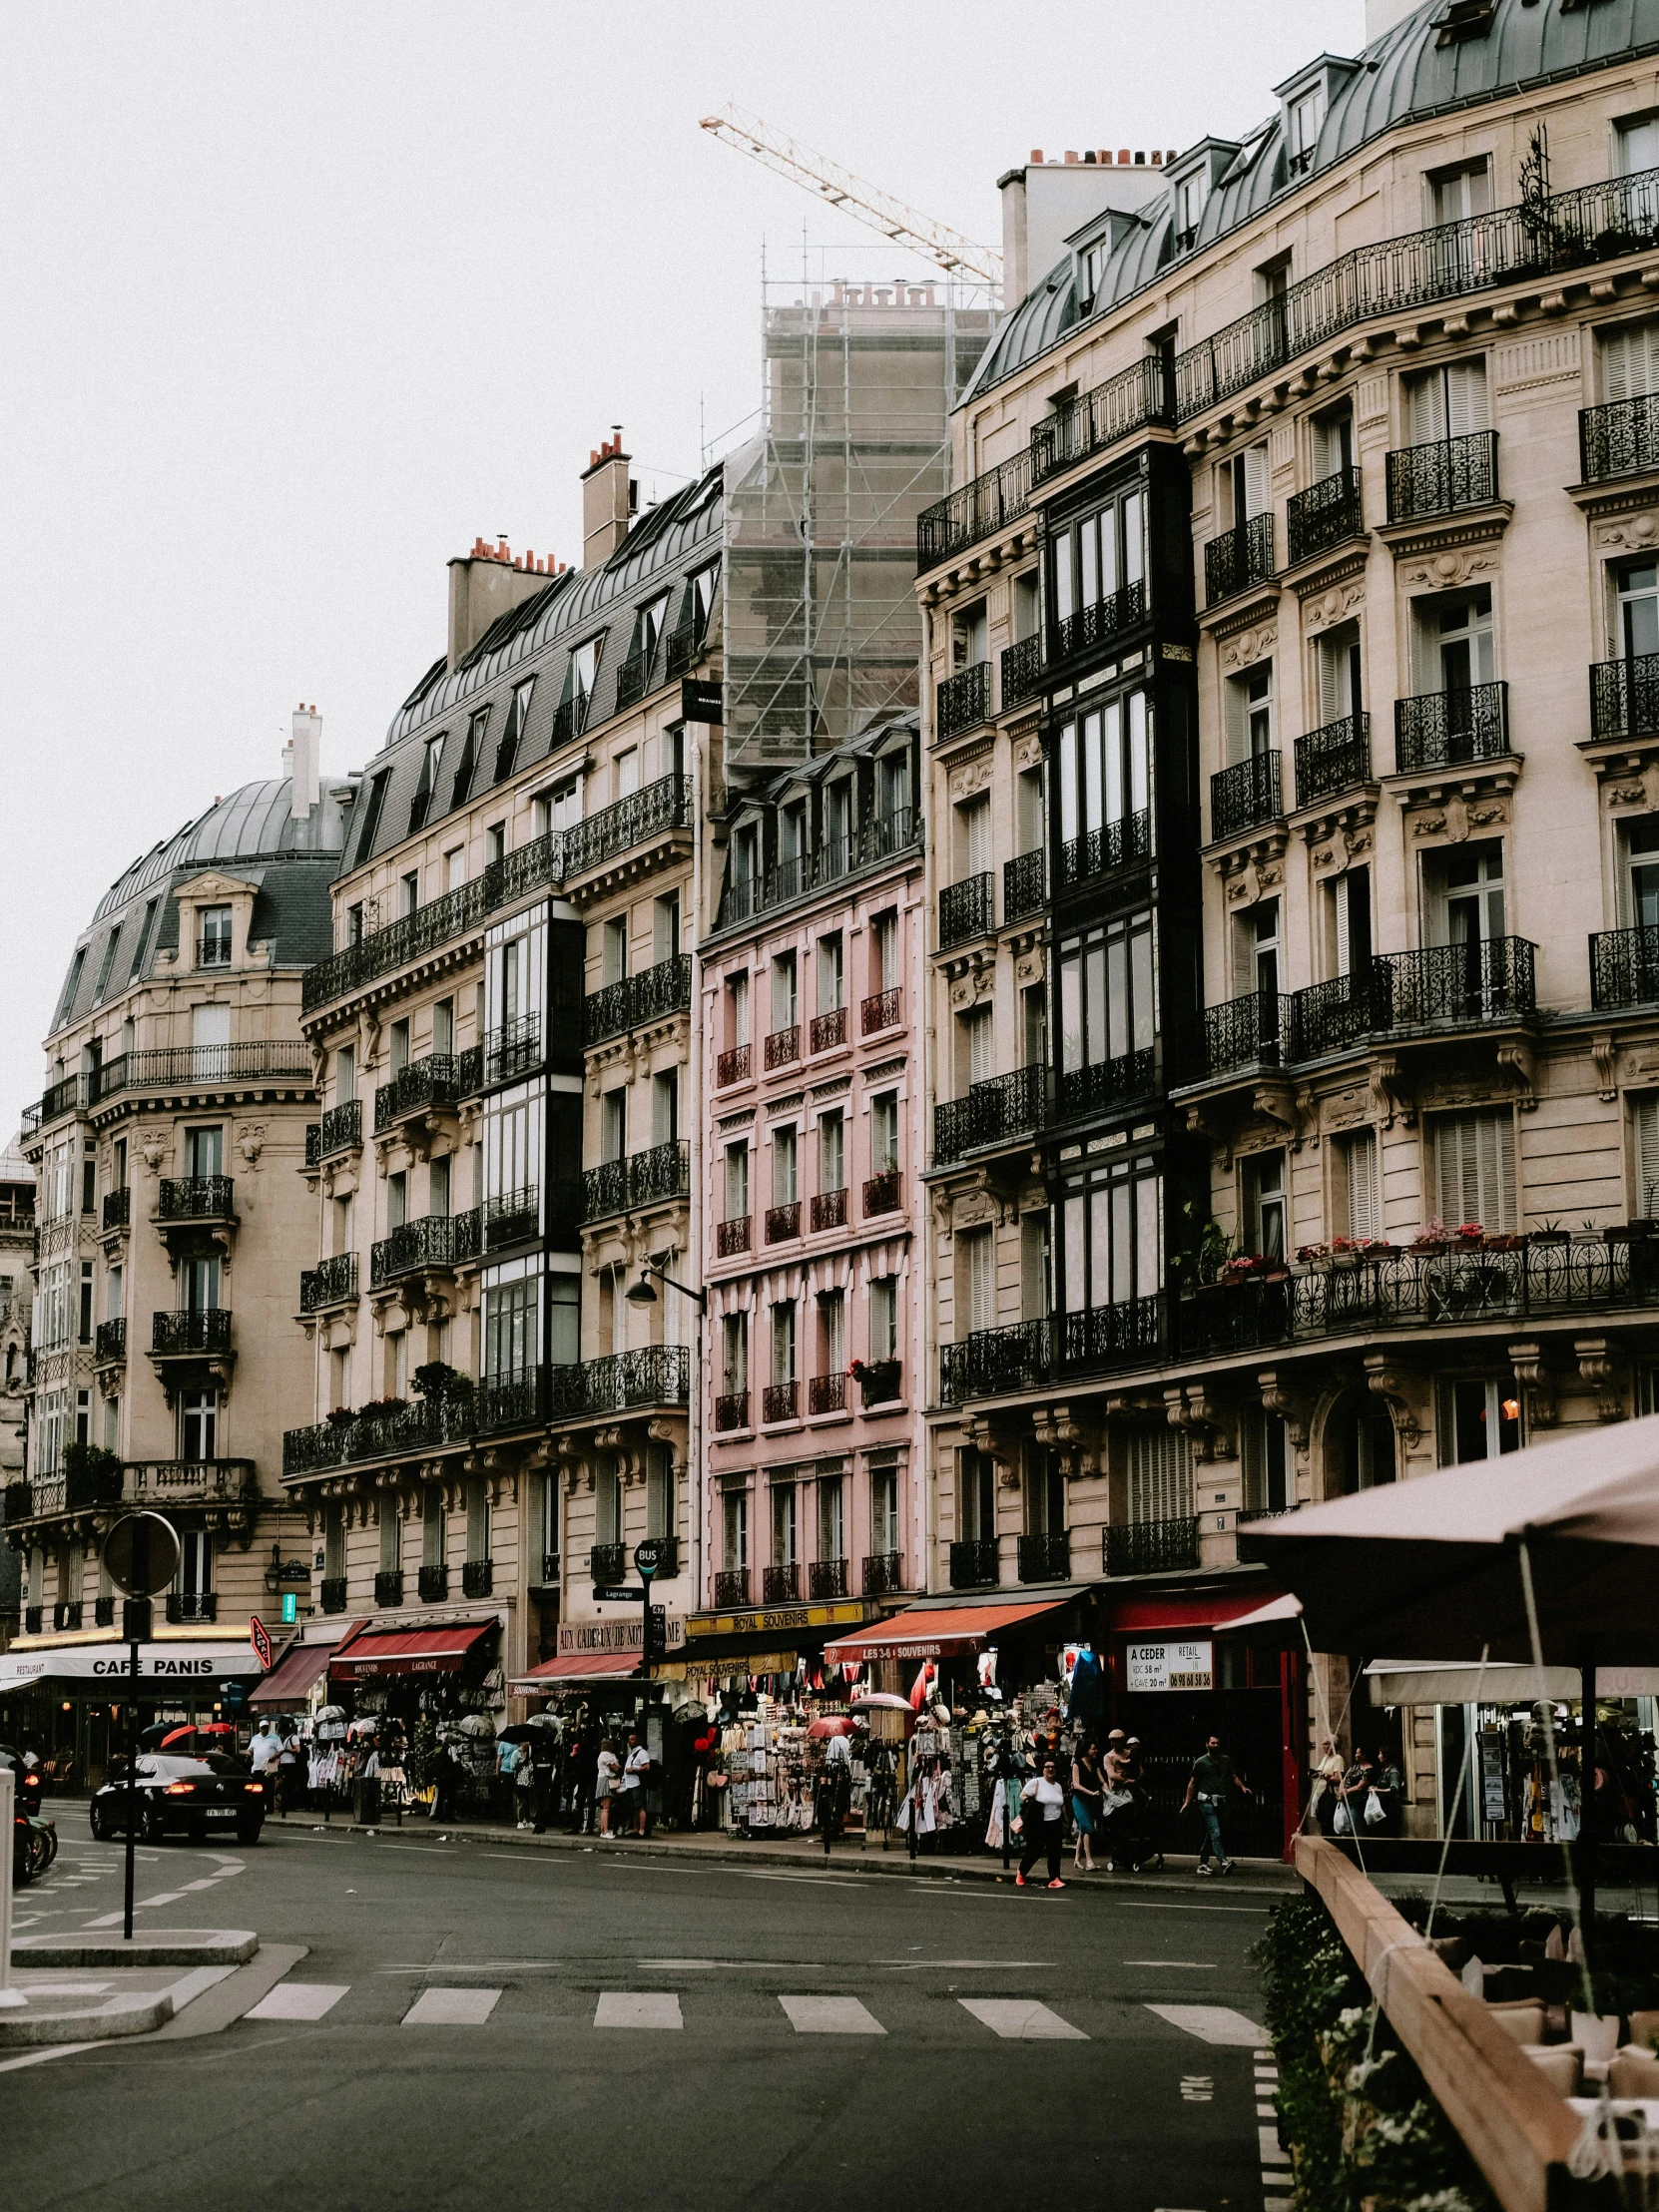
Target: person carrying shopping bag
{"x":1042,"y":1810}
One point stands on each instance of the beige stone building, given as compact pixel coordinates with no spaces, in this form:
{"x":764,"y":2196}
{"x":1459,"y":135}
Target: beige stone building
{"x":1298,"y":603}
{"x":17,"y":1243}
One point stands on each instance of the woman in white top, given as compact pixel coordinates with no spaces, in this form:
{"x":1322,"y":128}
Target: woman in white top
{"x":634,"y":1770}
{"x":607,"y":1779}
{"x":1042,"y":1824}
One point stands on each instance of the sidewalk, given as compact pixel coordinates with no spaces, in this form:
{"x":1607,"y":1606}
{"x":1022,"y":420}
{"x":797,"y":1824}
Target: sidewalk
{"x":89,"y":1987}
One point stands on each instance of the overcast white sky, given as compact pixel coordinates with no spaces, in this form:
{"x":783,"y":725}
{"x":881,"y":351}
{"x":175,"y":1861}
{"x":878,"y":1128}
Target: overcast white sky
{"x":301,"y":299}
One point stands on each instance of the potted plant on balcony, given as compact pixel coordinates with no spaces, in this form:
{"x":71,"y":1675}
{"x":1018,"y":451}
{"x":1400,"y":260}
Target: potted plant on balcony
{"x":1468,"y":1236}
{"x":1630,"y":1232}
{"x":1431,"y":1239}
{"x":92,"y":1475}
{"x":1321,"y":1255}
{"x":341,"y":1416}
{"x":1551,"y":1233}
{"x":438,"y":1380}
{"x":876,"y":1378}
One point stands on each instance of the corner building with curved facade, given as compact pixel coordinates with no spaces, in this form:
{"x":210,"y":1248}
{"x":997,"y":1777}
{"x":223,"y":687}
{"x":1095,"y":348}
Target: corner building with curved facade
{"x":1293,"y":728}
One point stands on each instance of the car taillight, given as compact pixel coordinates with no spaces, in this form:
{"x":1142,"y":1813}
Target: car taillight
{"x":180,"y":1789}
{"x":254,"y":1789}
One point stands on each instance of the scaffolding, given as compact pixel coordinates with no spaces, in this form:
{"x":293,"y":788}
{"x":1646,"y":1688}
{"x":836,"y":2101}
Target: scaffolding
{"x":821,"y":631}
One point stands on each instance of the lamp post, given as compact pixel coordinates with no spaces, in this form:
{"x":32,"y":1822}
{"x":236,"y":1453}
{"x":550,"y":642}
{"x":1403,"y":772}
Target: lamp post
{"x":644,"y":1293}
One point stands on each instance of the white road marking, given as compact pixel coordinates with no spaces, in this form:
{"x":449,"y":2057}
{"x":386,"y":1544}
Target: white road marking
{"x":139,"y":1904}
{"x":830,"y":2016}
{"x":429,"y":1850}
{"x":824,"y":1880}
{"x":638,"y":2008}
{"x":1198,"y":1966}
{"x":298,"y":2001}
{"x":996,"y":1964}
{"x":1272,"y":2155}
{"x":1211,"y":2023}
{"x":1267,"y":2113}
{"x":451,"y":2008}
{"x":1023,"y":2019}
{"x":39,"y":2057}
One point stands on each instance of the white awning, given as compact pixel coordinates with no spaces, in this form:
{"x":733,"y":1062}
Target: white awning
{"x":1428,"y":1682}
{"x":161,"y":1666}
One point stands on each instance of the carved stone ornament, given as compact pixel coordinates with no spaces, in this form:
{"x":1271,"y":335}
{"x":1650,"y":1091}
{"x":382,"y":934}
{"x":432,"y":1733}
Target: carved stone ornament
{"x":1347,"y":1109}
{"x":153,"y":1150}
{"x":971,"y":778}
{"x":1028,"y":751}
{"x":1606,"y":1061}
{"x":250,"y":1143}
{"x":1336,"y":605}
{"x":1626,"y":794}
{"x":1460,"y":817}
{"x":1597,"y":1370}
{"x":978,"y":984}
{"x":1393,"y":1386}
{"x":1028,"y":968}
{"x":1250,"y":646}
{"x":1637,"y":532}
{"x":1530,"y":1372}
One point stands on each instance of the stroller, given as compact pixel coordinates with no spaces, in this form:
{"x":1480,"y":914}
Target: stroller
{"x":1126,"y":1832}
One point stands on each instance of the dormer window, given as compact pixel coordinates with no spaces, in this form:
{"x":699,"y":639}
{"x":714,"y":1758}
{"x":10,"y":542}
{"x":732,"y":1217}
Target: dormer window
{"x":421,"y":803}
{"x":1090,"y":264}
{"x":1303,"y":122}
{"x":212,"y":943}
{"x":1190,"y":195}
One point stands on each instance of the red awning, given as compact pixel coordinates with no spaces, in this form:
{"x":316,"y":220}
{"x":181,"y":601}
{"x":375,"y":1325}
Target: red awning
{"x":1180,"y":1610}
{"x":291,"y":1681}
{"x":939,"y":1633}
{"x":410,"y":1651}
{"x":575,"y":1666}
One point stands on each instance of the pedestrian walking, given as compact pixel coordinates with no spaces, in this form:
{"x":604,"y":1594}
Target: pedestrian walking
{"x":1088,"y":1791}
{"x":1042,"y":1810}
{"x":607,"y":1781}
{"x":635,"y":1767}
{"x":287,"y":1772}
{"x":262,"y":1751}
{"x":1213,"y":1776}
{"x":834,"y":1795}
{"x":1328,"y":1782}
{"x":582,"y":1766}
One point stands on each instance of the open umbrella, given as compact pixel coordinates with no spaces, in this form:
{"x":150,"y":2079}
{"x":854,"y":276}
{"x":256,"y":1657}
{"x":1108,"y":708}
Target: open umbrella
{"x":521,"y":1733}
{"x":840,"y":1725}
{"x":883,"y":1698}
{"x":330,"y":1712}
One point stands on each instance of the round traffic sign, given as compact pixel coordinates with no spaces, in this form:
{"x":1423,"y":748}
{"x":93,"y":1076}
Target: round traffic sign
{"x":648,"y":1557}
{"x":142,"y":1553}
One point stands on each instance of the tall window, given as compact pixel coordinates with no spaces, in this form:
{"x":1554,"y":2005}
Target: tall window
{"x":1447,"y":402}
{"x":1629,"y":362}
{"x":199,"y":1426}
{"x":1108,"y":1005}
{"x":1265,"y":1490}
{"x":1160,"y":1476}
{"x":782,"y":1342}
{"x":1111,"y":1231}
{"x":420,"y":805}
{"x":1105,"y":771}
{"x":734,"y":1345}
{"x":1357,"y":1204}
{"x":1474,"y":1170}
{"x":831,"y":1323}
{"x":785,"y":1179}
{"x":1485,"y":1420}
{"x":1644,"y":1145}
{"x":735,"y":1532}
{"x":883,"y":1317}
{"x":827,"y":960}
{"x":785,"y":1533}
{"x":1636,"y":619}
{"x":1454,"y":643}
{"x":1246,"y":484}
{"x":1267,"y":1203}
{"x":213,"y":946}
{"x":512,"y":734}
{"x":831,"y":1152}
{"x":1464,"y":902}
{"x":1301,"y":130}
{"x":884,"y":1132}
{"x":195,"y":1562}
{"x":884,"y":1510}
{"x":737,"y":1180}
{"x":1348,"y":905}
{"x":977,"y":1279}
{"x":1337,"y":665}
{"x":510,"y":1331}
{"x":1095,"y":557}
{"x":1457,"y":194}
{"x":1250,"y":718}
{"x":832,"y":1518}
{"x":1636,"y":140}
{"x":979,"y":1497}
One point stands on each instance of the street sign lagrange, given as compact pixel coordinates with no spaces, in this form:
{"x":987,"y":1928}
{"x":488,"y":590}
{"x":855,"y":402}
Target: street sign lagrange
{"x":618,"y":1594}
{"x":259,"y":1636}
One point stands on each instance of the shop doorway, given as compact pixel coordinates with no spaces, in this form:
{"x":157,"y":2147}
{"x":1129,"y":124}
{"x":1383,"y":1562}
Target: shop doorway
{"x":1173,"y":1726}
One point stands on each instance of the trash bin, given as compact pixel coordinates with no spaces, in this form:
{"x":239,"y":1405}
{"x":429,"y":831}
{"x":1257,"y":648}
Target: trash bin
{"x":365,"y":1801}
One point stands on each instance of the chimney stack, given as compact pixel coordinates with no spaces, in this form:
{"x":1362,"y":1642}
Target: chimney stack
{"x":607,"y":501}
{"x":483,"y":584}
{"x":302,"y":761}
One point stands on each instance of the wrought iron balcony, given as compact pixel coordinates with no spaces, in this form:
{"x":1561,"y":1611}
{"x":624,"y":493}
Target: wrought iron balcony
{"x":513,"y":1049}
{"x":780,"y":1401}
{"x":782,"y":1047}
{"x":963,"y":701}
{"x":477,"y":1577}
{"x":1030,"y":1354}
{"x":1324,"y":515}
{"x":829,"y":1209}
{"x":1442,"y":478}
{"x":967,"y":909}
{"x":974,"y":511}
{"x":668,"y":1557}
{"x":66,"y":1614}
{"x":420,"y":1426}
{"x":1245,"y":796}
{"x":202,"y":1067}
{"x":731,"y":1410}
{"x":433,"y":1583}
{"x":1024,"y":886}
{"x":388,"y":1586}
{"x":633,"y":676}
{"x":1150,"y":1547}
{"x":882,"y":837}
{"x":1452,"y":728}
{"x":341,"y":1129}
{"x":649,"y":1178}
{"x":1624,"y":697}
{"x":191,"y":1606}
{"x":662,"y":804}
{"x":212,"y":952}
{"x":826,"y":1578}
{"x":622,"y":1381}
{"x":686,"y":645}
{"x":973,"y":1564}
{"x":1105,"y":1085}
{"x":827,"y":1393}
{"x":783,"y":1221}
{"x":880,"y":1011}
{"x":197,"y":1198}
{"x":513,"y":1218}
{"x":111,"y":1343}
{"x":570,"y":718}
{"x":1126,"y":842}
{"x":1022,"y":670}
{"x":118,"y":1207}
{"x":607,"y":1564}
{"x":416,"y":1090}
{"x":1000,"y":1109}
{"x":201,"y":1329}
{"x":333,"y":1594}
{"x":1239,"y":558}
{"x":469,"y":1235}
{"x":731,"y":1586}
{"x":1099,"y":623}
{"x":780,"y":1584}
{"x":1333,"y":760}
{"x":827,"y":1030}
{"x":885,"y":1192}
{"x":1619,"y":439}
{"x":31,"y":1613}
{"x":732,"y":1066}
{"x":102,"y":1612}
{"x":884,"y":1574}
{"x":655,"y":994}
{"x":1138,"y":396}
{"x":1045,"y":1558}
{"x":428,"y":1242}
{"x":733,"y":1235}
{"x":1624,"y":967}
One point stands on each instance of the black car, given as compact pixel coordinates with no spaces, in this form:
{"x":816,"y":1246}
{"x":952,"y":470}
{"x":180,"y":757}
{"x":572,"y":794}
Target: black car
{"x":29,"y":1781}
{"x":199,"y":1796}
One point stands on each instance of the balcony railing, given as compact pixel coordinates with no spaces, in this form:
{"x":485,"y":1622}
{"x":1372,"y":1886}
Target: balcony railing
{"x":685,"y":645}
{"x":1245,"y":796}
{"x":1239,"y":558}
{"x":731,"y":1410}
{"x":201,"y":1329}
{"x":1333,"y":760}
{"x":1045,"y":1558}
{"x":200,"y":1067}
{"x":975,"y":1564}
{"x":1022,"y":670}
{"x":423,"y":1425}
{"x":827,"y":1030}
{"x":829,"y":1209}
{"x":1126,"y":842}
{"x":477,"y":1577}
{"x":111,"y":1343}
{"x":66,"y":1614}
{"x":1150,"y":1547}
{"x":191,"y":1606}
{"x":1105,"y":1085}
{"x":1624,"y":967}
{"x":880,"y":1011}
{"x":783,"y":1221}
{"x":780,"y":1401}
{"x":1443,"y":476}
{"x":974,"y":511}
{"x":213,"y":951}
{"x":433,"y":1584}
{"x":884,"y":1574}
{"x":1030,"y":1354}
{"x":662,"y":804}
{"x":1138,"y":396}
{"x":733,"y":1235}
{"x":428,"y":1242}
{"x":1001,"y":1108}
{"x":963,"y":701}
{"x":415,"y":1089}
{"x":388,"y":1586}
{"x":633,"y":676}
{"x":469,"y":1235}
{"x":782,"y":1046}
{"x":655,"y":994}
{"x":513,"y":1218}
{"x":622,"y":1381}
{"x":1024,"y":886}
{"x":650,"y":1178}
{"x":1624,"y":697}
{"x":826,"y":1578}
{"x":780,"y":1584}
{"x":1324,"y":515}
{"x":102,"y":1612}
{"x":732,"y":1066}
{"x":967,"y":909}
{"x":885,"y":1192}
{"x":1452,"y":728}
{"x":731,"y":1586}
{"x":341,"y":1129}
{"x":333,"y":1594}
{"x":118,"y":1207}
{"x":197,"y":1198}
{"x":607,"y":1564}
{"x":513,"y":1049}
{"x":882,"y":837}
{"x":1619,"y":439}
{"x":168,"y":1482}
{"x":827,"y":1393}
{"x":1100,"y":623}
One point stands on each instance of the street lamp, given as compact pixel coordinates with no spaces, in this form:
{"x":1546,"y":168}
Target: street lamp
{"x":644,"y":1293}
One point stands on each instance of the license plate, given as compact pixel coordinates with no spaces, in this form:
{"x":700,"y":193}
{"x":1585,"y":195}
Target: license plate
{"x":222,"y":1813}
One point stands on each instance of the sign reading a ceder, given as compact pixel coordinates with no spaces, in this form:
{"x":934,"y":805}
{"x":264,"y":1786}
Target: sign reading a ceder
{"x":1170,"y":1666}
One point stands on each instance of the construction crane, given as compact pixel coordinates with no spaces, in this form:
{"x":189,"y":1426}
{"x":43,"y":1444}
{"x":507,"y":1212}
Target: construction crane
{"x":789,"y":158}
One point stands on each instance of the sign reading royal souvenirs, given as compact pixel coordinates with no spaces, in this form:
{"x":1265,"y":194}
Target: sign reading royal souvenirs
{"x":1170,"y":1666}
{"x":784,"y":1622}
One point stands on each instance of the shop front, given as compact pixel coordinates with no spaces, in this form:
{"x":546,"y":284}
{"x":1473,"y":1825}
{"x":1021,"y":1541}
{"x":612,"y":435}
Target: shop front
{"x":70,"y":1701}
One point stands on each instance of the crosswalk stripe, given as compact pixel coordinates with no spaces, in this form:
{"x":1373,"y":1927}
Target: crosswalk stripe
{"x":638,"y":2008}
{"x":451,"y":2008}
{"x":1023,"y":2019}
{"x":815,"y":2015}
{"x":1266,"y":2139}
{"x":298,"y":2001}
{"x":1211,"y":2023}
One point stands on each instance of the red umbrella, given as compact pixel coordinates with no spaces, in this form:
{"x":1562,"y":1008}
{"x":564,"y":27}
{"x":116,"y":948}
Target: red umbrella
{"x":840,"y":1725}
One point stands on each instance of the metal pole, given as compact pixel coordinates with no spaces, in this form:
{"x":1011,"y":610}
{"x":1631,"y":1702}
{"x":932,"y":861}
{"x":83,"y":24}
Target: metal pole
{"x":1587,"y":1840}
{"x":10,"y":1997}
{"x":132,"y":1788}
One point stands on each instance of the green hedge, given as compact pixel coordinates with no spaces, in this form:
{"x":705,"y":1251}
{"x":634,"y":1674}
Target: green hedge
{"x":1363,"y":2133}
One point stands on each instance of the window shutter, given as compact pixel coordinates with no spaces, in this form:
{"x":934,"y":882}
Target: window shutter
{"x":1160,"y":1476}
{"x":1426,"y":410}
{"x":1257,"y":488}
{"x":1333,"y":659}
{"x":1465,"y":384}
{"x":1616,"y":365}
{"x":1474,"y":1160}
{"x":980,"y":1272}
{"x":1344,"y":936}
{"x":979,"y":837}
{"x":1646,"y":1139}
{"x":981,"y":1047}
{"x":1361,"y":1184}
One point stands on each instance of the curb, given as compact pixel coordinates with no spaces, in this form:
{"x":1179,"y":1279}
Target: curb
{"x":222,"y":2007}
{"x":132,"y":2015}
{"x":162,"y":1946}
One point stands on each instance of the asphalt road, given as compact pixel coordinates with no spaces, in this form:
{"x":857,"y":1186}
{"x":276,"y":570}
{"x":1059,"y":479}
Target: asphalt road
{"x":490,"y":2023}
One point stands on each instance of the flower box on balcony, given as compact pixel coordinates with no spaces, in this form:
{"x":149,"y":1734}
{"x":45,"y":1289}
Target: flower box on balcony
{"x":1630,"y":1232}
{"x":879,"y":1380}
